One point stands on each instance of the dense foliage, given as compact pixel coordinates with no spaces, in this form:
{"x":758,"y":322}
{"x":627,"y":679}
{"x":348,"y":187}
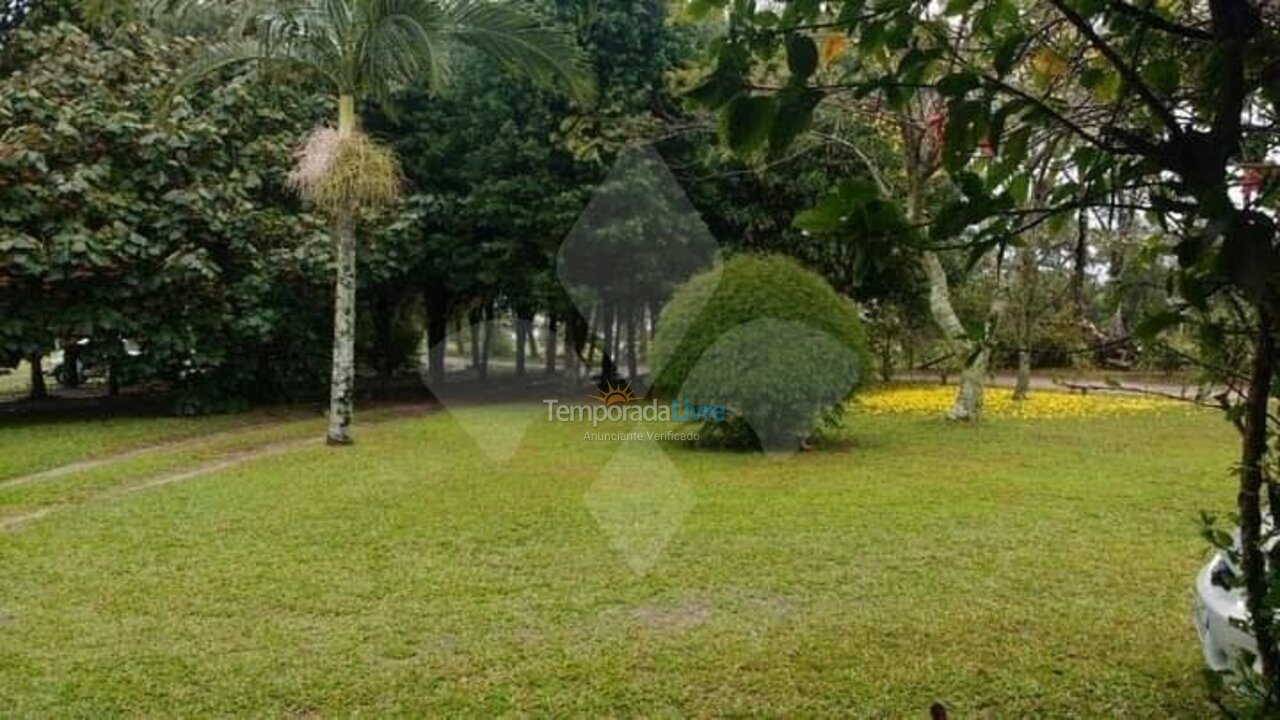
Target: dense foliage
{"x":1040,"y":113}
{"x":170,"y":230}
{"x":768,"y":340}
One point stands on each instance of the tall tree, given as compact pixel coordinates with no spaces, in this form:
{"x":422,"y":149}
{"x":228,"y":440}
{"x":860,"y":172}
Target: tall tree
{"x":364,"y":50}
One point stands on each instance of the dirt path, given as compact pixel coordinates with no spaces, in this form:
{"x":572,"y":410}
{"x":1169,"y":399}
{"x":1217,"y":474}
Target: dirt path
{"x":380,"y":415}
{"x":116,"y":458}
{"x":225,"y":461}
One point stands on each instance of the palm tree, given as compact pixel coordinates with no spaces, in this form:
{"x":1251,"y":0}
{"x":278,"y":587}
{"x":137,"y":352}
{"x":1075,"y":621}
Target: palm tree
{"x":364,"y":50}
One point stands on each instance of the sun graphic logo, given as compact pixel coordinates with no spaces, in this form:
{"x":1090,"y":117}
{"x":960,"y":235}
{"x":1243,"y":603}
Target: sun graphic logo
{"x":612,"y":394}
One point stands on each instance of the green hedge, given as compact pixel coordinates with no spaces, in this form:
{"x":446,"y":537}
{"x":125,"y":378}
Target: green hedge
{"x":769,"y":340}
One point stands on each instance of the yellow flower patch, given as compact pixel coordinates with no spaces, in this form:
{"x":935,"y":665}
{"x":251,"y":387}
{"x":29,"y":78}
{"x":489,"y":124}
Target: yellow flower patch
{"x":998,"y":402}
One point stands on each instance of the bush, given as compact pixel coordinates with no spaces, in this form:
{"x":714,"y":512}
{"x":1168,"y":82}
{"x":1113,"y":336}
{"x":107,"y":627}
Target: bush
{"x":767,"y":339}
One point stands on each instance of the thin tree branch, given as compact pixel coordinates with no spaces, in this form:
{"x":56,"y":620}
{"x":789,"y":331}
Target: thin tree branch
{"x":1159,"y":22}
{"x":1126,"y":70}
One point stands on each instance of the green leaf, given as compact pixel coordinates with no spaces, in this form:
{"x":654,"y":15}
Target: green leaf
{"x":1019,"y":188}
{"x":718,"y":88}
{"x":746,"y":122}
{"x":1249,"y":260}
{"x":850,"y":197}
{"x":1162,"y":74}
{"x":1151,"y":326}
{"x":960,"y":136}
{"x":1007,"y":51}
{"x":957,"y":84}
{"x":701,"y":9}
{"x":802,"y":57}
{"x":793,"y":118}
{"x":949,"y":221}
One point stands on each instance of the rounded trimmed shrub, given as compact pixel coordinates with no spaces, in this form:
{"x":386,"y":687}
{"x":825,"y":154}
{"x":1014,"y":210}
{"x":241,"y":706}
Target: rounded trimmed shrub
{"x":768,"y":340}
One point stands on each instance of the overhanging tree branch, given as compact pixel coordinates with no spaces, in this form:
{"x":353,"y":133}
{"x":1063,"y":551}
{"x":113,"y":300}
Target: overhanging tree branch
{"x":1126,"y":70}
{"x":1159,"y":22}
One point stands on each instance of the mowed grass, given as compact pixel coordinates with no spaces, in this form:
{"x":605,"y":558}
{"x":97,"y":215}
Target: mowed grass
{"x":17,"y":381}
{"x":1020,"y":567}
{"x":28,"y":447}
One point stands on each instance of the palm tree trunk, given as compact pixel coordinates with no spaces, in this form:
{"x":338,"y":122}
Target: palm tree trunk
{"x":342,"y":385}
{"x":343,"y":381}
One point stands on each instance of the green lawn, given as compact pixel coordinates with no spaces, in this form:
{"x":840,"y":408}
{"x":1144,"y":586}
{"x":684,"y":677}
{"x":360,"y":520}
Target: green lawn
{"x":1019,"y":567}
{"x":17,"y":382}
{"x":29,"y":447}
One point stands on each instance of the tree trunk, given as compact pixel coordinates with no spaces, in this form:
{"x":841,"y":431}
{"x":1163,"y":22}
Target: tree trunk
{"x":486,"y":345}
{"x":71,"y":364}
{"x":1252,"y":475}
{"x":1090,"y":332}
{"x":39,"y":390}
{"x":1023,"y":384}
{"x":632,"y":365}
{"x":593,"y":331}
{"x":1027,"y":282}
{"x":619,"y":328}
{"x":476,"y":317}
{"x":522,"y":339}
{"x":608,"y":366}
{"x":437,"y":306}
{"x":968,"y":402}
{"x":342,"y":385}
{"x":343,"y":380}
{"x":885,"y":345}
{"x":974,"y":354}
{"x":575,"y":341}
{"x":383,"y":320}
{"x":551,"y":344}
{"x":644,"y":334}
{"x":113,"y":379}
{"x":535,"y":351}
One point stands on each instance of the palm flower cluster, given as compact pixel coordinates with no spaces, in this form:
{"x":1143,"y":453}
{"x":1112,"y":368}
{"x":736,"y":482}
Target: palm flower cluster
{"x":340,"y":173}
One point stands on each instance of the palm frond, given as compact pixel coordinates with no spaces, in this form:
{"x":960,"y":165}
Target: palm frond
{"x":285,"y":39}
{"x":515,"y":39}
{"x":403,"y":45}
{"x":214,"y":58}
{"x":370,"y":48}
